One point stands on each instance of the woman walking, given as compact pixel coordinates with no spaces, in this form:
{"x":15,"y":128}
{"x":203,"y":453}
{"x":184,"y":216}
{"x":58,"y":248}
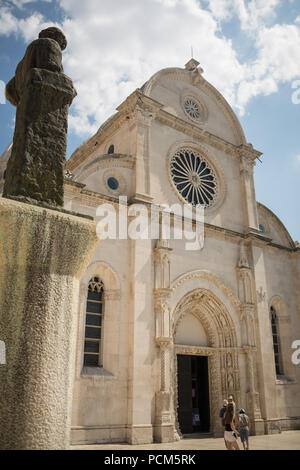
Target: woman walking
{"x":230,"y":433}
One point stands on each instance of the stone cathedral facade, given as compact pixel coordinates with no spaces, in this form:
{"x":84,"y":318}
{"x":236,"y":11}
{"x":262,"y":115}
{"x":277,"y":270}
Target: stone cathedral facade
{"x":163,"y":334}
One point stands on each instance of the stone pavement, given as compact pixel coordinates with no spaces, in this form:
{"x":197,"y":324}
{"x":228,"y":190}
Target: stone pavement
{"x":287,"y":440}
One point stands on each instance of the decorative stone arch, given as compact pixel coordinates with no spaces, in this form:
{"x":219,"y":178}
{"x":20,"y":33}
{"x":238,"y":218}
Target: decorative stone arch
{"x":285,"y":334}
{"x":211,"y":313}
{"x":222,"y":351}
{"x":104,"y":161}
{"x":202,"y":278}
{"x":112,"y":297}
{"x":281,"y":309}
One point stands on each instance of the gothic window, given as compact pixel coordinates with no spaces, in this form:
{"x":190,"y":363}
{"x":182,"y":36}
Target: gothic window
{"x":193,"y":177}
{"x":94,"y":323}
{"x":276,"y":341}
{"x":111,"y":149}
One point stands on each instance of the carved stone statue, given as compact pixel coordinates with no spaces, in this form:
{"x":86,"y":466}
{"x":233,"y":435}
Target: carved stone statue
{"x":42,"y":94}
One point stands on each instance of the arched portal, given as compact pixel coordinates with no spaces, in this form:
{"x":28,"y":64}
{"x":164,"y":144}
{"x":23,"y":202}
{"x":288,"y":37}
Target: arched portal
{"x":217,"y":344}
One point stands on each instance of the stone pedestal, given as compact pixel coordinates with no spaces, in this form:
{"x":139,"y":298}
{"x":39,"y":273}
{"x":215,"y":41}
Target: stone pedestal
{"x":164,"y":429}
{"x":42,"y":255}
{"x":258,"y":427}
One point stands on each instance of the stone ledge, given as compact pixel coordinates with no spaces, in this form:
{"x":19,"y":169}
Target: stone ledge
{"x":34,"y":202}
{"x":96,"y":371}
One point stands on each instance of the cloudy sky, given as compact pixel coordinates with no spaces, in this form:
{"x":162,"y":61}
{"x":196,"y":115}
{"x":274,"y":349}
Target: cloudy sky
{"x":249,"y":50}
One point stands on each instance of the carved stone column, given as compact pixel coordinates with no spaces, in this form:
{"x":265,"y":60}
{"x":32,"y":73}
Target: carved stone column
{"x":253,"y":402}
{"x":247,"y":310}
{"x":141,"y":111}
{"x":164,"y":419}
{"x":247,"y":161}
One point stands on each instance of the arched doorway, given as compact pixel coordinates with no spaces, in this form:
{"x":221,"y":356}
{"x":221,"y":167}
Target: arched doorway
{"x":206,"y":365}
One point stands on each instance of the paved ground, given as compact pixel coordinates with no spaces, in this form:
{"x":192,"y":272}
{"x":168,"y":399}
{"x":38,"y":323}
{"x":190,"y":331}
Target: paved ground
{"x":288,"y":440}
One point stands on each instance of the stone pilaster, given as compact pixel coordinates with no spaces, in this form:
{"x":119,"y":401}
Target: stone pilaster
{"x":247,"y":162}
{"x":164,"y":421}
{"x":141,"y":110}
{"x":43,"y":253}
{"x":252,"y":396}
{"x":247,"y":311}
{"x":140,"y":395}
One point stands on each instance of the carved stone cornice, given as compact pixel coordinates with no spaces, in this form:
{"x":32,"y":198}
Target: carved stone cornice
{"x":248,"y":152}
{"x":194,"y":350}
{"x":208,"y":351}
{"x":163,"y":342}
{"x":137,"y":100}
{"x":140,"y":107}
{"x":196,"y":132}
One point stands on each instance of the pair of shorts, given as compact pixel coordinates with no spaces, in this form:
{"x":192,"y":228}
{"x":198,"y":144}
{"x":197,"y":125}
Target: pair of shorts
{"x":228,"y":436}
{"x":244,"y":434}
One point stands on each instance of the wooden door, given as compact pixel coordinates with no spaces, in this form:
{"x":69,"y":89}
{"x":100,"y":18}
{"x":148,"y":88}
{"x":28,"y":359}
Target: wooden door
{"x":185,"y":405}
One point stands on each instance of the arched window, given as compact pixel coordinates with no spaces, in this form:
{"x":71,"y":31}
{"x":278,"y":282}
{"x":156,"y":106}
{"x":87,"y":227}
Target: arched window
{"x":276,"y":341}
{"x":111,"y":149}
{"x":94,"y":323}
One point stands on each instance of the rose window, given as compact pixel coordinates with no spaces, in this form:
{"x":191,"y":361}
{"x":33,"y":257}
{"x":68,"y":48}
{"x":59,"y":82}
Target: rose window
{"x":193,"y":177}
{"x":191,"y":107}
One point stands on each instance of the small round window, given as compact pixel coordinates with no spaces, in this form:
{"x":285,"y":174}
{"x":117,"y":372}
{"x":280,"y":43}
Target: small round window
{"x":192,"y":108}
{"x":113,"y":183}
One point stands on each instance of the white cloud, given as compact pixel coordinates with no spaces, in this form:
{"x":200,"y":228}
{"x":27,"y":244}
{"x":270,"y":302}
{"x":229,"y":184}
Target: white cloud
{"x":27,"y":28}
{"x":251,"y":14}
{"x":115,"y":46}
{"x":124,"y":45}
{"x":221,"y":9}
{"x":22,"y":3}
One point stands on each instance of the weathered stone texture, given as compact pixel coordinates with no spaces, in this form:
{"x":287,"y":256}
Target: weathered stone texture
{"x":42,"y":254}
{"x":42,"y":94}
